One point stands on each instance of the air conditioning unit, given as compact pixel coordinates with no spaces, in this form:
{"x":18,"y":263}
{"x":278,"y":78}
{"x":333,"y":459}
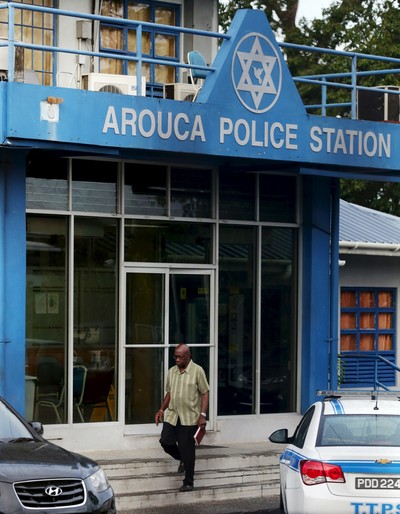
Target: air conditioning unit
{"x":18,"y":62}
{"x":109,"y":83}
{"x":379,"y":105}
{"x":180,"y":91}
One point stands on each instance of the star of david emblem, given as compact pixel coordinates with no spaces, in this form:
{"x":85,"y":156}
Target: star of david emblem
{"x":256,"y":73}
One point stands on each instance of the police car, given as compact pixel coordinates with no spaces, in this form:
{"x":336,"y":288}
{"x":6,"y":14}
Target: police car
{"x":344,"y":457}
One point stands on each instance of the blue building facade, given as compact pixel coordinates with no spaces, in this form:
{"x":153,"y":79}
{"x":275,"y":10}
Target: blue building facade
{"x":131,"y":223}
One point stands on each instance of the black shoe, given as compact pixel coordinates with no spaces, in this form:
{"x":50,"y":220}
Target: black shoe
{"x":185,"y":487}
{"x":181,"y":468}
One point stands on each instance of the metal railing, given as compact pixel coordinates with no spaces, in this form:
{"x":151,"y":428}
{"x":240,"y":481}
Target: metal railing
{"x":322,"y":81}
{"x":139,"y":26}
{"x":375,"y":382}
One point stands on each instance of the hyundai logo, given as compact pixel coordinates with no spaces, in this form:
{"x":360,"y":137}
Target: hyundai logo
{"x":53,"y":490}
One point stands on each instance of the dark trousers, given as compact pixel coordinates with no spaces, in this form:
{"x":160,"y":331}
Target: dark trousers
{"x":179,"y":443}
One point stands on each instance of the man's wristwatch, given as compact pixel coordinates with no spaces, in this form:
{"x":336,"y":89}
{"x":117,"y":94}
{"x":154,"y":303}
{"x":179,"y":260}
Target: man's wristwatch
{"x":203,"y":414}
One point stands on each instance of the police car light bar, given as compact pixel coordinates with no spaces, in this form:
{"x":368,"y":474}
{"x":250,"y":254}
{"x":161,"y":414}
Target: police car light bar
{"x":374,"y":393}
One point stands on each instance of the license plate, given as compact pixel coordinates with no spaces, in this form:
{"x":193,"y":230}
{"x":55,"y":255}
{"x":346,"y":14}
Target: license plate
{"x":378,"y":483}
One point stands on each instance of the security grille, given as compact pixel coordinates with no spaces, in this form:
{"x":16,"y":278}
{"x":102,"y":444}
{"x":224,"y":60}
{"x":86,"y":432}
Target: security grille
{"x":40,"y":494}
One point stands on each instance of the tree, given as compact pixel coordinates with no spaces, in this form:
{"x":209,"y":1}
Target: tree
{"x":362,"y":26}
{"x":281,"y":14}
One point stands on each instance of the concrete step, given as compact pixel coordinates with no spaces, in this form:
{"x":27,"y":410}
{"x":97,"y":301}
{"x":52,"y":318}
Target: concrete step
{"x":149,"y":479}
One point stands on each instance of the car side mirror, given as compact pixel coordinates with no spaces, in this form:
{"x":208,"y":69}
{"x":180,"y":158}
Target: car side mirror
{"x":37,"y":427}
{"x":280,"y":436}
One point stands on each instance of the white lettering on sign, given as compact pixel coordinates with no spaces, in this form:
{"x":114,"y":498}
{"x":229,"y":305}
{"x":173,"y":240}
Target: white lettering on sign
{"x":350,"y":142}
{"x":147,"y":124}
{"x":276,"y":134}
{"x":251,"y":133}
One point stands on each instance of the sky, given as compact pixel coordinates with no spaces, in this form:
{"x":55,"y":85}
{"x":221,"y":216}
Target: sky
{"x":311,"y":8}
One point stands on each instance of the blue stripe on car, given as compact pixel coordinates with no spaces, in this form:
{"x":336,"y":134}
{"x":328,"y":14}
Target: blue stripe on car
{"x":337,"y":406}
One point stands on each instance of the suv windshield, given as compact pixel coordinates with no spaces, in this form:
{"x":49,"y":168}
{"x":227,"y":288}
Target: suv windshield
{"x":11,"y":427}
{"x":359,"y":430}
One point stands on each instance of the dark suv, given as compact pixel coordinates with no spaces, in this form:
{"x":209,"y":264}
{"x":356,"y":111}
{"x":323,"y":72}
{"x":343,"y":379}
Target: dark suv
{"x":39,"y":476}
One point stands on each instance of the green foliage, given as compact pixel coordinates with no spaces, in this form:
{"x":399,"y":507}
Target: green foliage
{"x":381,"y":196}
{"x":368,"y":27}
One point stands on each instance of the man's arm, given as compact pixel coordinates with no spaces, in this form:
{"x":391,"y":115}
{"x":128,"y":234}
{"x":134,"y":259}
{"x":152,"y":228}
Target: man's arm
{"x":160,"y":414}
{"x":202,"y":421}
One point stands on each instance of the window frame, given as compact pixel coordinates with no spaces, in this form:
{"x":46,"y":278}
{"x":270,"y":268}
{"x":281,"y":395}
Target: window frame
{"x":360,"y":366}
{"x":156,"y":87}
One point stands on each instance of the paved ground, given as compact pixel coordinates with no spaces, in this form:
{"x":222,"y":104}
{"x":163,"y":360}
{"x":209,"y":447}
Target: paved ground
{"x":238,"y":506}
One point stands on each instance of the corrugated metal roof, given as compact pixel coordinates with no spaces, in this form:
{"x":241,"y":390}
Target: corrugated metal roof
{"x":361,"y":224}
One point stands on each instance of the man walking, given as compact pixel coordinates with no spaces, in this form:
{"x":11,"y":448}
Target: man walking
{"x":186,"y":398}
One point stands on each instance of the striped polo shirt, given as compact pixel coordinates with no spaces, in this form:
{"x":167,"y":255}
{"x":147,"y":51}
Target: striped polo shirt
{"x":185,"y":390}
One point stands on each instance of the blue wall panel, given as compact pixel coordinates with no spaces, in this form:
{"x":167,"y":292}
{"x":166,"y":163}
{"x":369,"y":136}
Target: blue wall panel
{"x":319,"y":333}
{"x":13,"y":281}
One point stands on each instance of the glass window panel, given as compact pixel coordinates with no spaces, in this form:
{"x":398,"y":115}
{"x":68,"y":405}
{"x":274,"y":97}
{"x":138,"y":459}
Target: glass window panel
{"x":94,"y":186}
{"x":111,"y":66}
{"x":385,"y":342}
{"x":47,"y":183}
{"x":191,"y":193}
{"x":46,"y":303}
{"x":165,"y":45}
{"x":95,"y":313}
{"x":348,"y":321}
{"x":164,"y":74}
{"x":144,"y":384}
{"x":278,"y":196}
{"x":278,"y":342}
{"x":348,"y":343}
{"x":236,"y":342}
{"x":189,"y":309}
{"x":27,"y":17}
{"x":111,"y":38}
{"x":145,"y":189}
{"x":237,"y":196}
{"x":138,"y":11}
{"x":385,"y":299}
{"x":367,"y":343}
{"x":165,"y":16}
{"x":348,"y":298}
{"x":385,"y":320}
{"x":367,"y":299}
{"x":144,"y":308}
{"x":38,"y":19}
{"x":146,"y":42}
{"x":145,"y":70}
{"x":112,"y":8}
{"x":367,"y":320}
{"x":48,"y":21}
{"x":152,"y":241}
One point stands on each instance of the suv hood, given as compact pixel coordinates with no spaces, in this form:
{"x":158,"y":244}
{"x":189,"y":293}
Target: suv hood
{"x":41,"y":459}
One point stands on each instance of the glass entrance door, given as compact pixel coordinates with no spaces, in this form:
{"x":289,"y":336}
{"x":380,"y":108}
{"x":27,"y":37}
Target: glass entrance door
{"x":164,"y":307}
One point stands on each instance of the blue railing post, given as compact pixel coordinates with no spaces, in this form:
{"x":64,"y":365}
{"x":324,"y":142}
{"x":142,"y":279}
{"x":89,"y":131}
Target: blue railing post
{"x":11,"y":43}
{"x":354,"y":88}
{"x":324,"y":96}
{"x":139,"y":63}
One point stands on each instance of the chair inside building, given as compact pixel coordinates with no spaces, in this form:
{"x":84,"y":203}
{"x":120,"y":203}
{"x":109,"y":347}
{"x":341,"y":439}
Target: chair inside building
{"x":95,"y":393}
{"x":56,"y":401}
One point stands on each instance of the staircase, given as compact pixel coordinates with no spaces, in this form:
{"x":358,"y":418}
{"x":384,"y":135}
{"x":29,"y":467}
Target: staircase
{"x":144,"y":480}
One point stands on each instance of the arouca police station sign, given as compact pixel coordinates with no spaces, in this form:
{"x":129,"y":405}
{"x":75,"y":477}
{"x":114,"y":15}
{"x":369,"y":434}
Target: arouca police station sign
{"x":248,"y":107}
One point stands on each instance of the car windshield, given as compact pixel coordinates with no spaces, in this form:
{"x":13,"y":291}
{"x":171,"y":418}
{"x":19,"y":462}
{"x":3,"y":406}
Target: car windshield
{"x":11,"y":428}
{"x":359,"y":430}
